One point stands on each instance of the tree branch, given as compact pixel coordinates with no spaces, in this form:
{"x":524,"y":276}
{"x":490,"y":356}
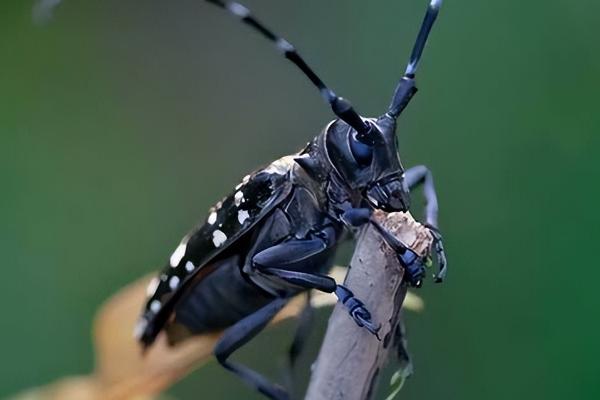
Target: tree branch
{"x":351,"y":358}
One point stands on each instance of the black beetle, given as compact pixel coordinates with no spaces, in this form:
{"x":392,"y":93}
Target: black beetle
{"x":276,"y":234}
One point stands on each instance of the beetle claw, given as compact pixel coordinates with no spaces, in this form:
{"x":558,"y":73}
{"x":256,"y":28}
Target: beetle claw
{"x":362,"y":317}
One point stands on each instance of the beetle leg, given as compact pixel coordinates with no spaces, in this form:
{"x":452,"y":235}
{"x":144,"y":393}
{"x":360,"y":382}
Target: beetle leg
{"x":304,"y":280}
{"x":355,"y":307}
{"x":357,"y":310}
{"x":285,"y":261}
{"x":277,"y":262}
{"x":414,"y":269}
{"x":421,"y":175}
{"x":356,"y":217}
{"x":438,"y":246}
{"x":241,"y":333}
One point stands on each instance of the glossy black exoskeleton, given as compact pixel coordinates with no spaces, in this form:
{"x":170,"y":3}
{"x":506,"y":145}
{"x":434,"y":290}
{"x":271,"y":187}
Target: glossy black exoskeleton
{"x":276,"y":234}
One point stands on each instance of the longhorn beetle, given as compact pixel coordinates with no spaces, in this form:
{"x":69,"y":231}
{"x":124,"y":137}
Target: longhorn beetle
{"x":276,"y":234}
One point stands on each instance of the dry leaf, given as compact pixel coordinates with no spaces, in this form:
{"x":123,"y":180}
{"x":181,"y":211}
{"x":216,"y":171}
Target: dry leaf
{"x":123,"y":372}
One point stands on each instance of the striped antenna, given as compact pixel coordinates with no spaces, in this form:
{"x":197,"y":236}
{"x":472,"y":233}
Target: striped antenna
{"x":406,"y":87}
{"x":340,"y":106}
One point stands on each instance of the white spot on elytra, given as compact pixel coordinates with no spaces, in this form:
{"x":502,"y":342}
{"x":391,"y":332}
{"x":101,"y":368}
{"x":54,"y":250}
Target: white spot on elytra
{"x":177,"y":255}
{"x":212,"y":218}
{"x":238,"y":198}
{"x":189,"y":266}
{"x":243,"y":216}
{"x":152,"y":286}
{"x":174,"y":282}
{"x":219,"y":238}
{"x":155,"y":306}
{"x":139,"y":329}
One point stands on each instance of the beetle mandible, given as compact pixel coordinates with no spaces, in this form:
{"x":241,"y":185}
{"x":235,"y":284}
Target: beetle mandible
{"x":276,"y":234}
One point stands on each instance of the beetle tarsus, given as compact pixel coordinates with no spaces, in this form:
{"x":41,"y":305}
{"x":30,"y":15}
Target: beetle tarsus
{"x":414,"y":270}
{"x":357,"y":310}
{"x":440,"y":253}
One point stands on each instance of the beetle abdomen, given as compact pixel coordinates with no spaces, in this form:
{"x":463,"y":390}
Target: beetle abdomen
{"x":216,"y":302}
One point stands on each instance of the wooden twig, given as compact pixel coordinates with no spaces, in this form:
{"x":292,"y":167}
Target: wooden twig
{"x":351,"y":358}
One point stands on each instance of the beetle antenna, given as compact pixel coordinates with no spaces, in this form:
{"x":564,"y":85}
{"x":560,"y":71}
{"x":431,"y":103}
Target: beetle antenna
{"x":340,"y":106}
{"x":406,"y":87}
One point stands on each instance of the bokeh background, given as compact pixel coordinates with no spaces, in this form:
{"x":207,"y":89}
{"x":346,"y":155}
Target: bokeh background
{"x":121,"y":122}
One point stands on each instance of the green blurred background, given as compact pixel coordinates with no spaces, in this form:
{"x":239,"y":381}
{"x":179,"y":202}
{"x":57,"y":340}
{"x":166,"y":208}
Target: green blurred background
{"x":121,"y":122}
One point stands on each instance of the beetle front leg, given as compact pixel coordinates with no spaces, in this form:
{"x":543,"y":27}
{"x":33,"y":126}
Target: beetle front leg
{"x":440,"y":253}
{"x":421,"y":175}
{"x":414,"y":268}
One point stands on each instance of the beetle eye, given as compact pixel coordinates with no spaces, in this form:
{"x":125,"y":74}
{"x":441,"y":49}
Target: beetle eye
{"x":362,"y":153}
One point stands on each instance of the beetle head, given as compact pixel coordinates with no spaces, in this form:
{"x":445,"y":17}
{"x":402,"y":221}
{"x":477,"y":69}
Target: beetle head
{"x":370,"y":165}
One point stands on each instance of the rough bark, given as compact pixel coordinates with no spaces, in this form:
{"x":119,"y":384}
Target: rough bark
{"x":351,"y":358}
